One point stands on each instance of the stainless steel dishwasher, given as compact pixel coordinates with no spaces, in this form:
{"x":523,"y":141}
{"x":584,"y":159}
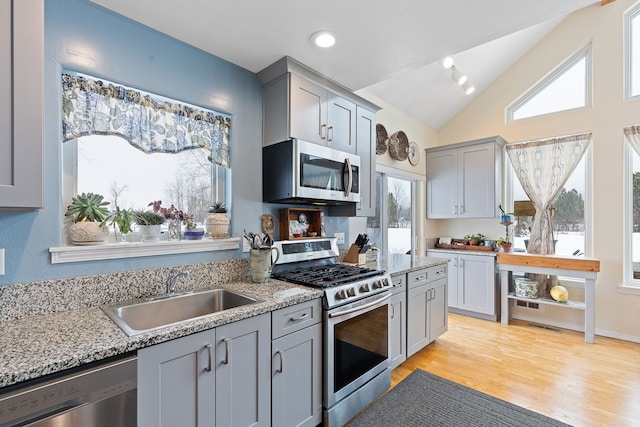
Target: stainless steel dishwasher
{"x":101,"y":394}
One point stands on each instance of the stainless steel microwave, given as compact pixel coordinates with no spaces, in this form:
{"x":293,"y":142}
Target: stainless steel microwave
{"x":297,"y":171}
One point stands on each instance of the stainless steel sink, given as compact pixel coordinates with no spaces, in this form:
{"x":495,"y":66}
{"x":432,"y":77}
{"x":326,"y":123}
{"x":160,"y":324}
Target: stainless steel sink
{"x":144,"y":315}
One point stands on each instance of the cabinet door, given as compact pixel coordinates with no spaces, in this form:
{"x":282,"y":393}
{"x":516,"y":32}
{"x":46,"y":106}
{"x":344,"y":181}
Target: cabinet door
{"x":476,"y":283}
{"x":296,"y":378}
{"x":365,"y":148}
{"x":308,"y":111}
{"x":452,"y":276}
{"x":341,"y":123}
{"x":243,"y":392}
{"x":417,"y":318}
{"x":476,"y":182}
{"x":175,"y":385}
{"x":397,"y":329}
{"x":21,"y":116}
{"x":442,"y":184}
{"x":438,"y":313}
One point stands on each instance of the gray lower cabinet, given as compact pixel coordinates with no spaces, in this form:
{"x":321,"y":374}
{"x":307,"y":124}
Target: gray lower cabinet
{"x":426,"y":306}
{"x":216,"y":377}
{"x":296,"y":365}
{"x":472,"y":284}
{"x":21,"y":103}
{"x":398,"y":321}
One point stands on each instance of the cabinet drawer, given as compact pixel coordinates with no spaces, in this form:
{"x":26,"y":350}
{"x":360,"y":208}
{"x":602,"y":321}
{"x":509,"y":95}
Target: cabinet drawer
{"x":419,"y":277}
{"x":291,"y":319}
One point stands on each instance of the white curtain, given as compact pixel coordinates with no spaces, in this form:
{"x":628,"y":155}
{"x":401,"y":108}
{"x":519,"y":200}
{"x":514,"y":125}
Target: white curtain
{"x":632,"y":133}
{"x":543,"y":167}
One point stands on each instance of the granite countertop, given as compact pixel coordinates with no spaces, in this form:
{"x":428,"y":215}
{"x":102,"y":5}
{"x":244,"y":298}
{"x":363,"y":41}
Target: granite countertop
{"x":395,"y":264}
{"x":38,"y":345}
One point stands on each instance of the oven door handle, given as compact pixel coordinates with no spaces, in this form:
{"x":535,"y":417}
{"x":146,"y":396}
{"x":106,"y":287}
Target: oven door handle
{"x":360,"y":307}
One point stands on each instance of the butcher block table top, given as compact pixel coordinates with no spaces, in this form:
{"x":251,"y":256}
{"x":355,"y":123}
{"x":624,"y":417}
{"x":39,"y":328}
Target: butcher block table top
{"x":549,"y":261}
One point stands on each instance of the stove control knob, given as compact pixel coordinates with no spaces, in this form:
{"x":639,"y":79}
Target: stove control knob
{"x":351,"y":292}
{"x":385,"y":282}
{"x":377,"y":284}
{"x":341,"y":294}
{"x":365,"y":288}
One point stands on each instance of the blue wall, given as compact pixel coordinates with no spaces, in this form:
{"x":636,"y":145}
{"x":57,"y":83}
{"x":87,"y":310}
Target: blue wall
{"x":84,"y":37}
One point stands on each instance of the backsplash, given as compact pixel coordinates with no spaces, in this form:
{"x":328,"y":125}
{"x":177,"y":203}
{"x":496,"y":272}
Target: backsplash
{"x":49,"y":296}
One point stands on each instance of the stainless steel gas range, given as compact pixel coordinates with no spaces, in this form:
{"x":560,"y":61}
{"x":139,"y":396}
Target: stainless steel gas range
{"x":356,"y":323}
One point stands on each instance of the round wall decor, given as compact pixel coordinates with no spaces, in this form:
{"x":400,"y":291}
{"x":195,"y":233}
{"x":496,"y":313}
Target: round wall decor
{"x":399,"y":146}
{"x":414,"y":154}
{"x":382,"y":139}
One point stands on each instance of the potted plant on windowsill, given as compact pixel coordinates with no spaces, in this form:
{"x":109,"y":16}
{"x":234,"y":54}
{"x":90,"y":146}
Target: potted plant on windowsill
{"x":503,"y":245}
{"x":122,"y":219}
{"x":505,"y":217}
{"x":217,"y":221}
{"x":149,"y":224}
{"x":88,"y":213}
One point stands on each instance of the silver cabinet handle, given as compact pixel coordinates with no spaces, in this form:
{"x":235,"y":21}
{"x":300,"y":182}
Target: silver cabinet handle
{"x":208,"y":368}
{"x":419,"y":278}
{"x":280,"y":370}
{"x":226,"y":351}
{"x":323,"y":133}
{"x":299,"y":318}
{"x":393,"y":311}
{"x":455,"y":210}
{"x":330,"y":133}
{"x":461,"y":209}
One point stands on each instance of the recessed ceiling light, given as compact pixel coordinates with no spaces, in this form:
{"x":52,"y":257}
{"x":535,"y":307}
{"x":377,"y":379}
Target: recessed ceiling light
{"x":458,"y":77}
{"x":468,"y":88}
{"x":323,"y":39}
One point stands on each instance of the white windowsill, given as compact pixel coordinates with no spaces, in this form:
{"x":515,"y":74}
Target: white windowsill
{"x":139,"y":249}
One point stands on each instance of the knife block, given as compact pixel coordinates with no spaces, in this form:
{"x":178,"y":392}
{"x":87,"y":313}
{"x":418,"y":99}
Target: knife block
{"x":354,"y":257}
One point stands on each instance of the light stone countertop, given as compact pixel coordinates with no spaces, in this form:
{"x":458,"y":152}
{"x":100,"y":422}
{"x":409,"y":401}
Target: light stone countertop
{"x":38,"y":345}
{"x":464,"y":251}
{"x":395,"y":264}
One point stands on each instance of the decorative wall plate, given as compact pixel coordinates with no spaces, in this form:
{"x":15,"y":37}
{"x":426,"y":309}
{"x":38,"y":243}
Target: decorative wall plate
{"x":414,"y":154}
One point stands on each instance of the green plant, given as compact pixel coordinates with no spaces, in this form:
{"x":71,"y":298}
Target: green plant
{"x":122,"y":218}
{"x":475,"y":237}
{"x":88,"y":207}
{"x":218,"y":207}
{"x":147,"y":218}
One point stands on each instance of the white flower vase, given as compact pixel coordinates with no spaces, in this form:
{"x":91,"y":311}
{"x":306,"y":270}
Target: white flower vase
{"x":87,"y":233}
{"x":217,"y":225}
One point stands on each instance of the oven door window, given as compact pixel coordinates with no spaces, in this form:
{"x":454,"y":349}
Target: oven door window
{"x":361,"y":343}
{"x":326,"y":174}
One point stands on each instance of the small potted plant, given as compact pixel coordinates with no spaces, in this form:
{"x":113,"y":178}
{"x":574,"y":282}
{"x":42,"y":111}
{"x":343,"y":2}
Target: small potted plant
{"x":149,"y":224}
{"x":175,"y":216}
{"x":217,"y":221}
{"x":504,"y":245}
{"x":505,"y":217}
{"x":88,"y":213}
{"x":475,"y":239}
{"x":122,"y":219}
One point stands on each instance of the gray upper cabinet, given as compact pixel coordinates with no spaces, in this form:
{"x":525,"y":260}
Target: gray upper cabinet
{"x":21,"y":103}
{"x":465,"y":180}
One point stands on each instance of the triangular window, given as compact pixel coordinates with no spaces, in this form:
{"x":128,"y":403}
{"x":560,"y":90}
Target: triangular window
{"x":565,"y":88}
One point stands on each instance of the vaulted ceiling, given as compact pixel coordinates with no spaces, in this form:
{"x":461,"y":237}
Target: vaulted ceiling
{"x":390,"y":49}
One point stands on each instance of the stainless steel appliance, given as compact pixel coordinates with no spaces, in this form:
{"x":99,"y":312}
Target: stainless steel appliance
{"x":297,"y":171}
{"x":101,"y":395}
{"x":356,"y":324}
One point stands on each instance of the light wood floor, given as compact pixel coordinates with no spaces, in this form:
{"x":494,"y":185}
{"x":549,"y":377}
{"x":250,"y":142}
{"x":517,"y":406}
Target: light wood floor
{"x":554,"y":373}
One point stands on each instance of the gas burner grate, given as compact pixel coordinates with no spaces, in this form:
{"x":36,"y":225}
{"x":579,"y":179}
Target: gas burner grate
{"x":325,"y":276}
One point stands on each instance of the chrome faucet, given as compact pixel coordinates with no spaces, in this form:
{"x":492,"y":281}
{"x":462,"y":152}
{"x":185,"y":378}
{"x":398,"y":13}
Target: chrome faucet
{"x":171,"y":280}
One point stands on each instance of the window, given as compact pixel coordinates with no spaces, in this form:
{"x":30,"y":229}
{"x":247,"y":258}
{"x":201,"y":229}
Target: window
{"x":632,"y":51}
{"x":134,"y":148}
{"x":632,"y":208}
{"x":565,"y":88}
{"x":569,"y":216}
{"x":393,"y":230}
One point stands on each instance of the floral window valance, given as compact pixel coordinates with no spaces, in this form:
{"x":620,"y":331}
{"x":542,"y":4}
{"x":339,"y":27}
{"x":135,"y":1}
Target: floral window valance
{"x":95,"y":107}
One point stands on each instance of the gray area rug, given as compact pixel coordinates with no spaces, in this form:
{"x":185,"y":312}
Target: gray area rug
{"x":423,"y":399}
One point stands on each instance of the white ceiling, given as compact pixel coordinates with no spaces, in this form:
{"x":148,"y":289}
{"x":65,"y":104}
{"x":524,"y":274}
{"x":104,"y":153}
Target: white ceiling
{"x":390,"y":49}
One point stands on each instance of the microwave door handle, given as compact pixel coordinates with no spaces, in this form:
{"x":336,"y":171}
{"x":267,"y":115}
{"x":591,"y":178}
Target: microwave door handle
{"x":347,"y":190}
